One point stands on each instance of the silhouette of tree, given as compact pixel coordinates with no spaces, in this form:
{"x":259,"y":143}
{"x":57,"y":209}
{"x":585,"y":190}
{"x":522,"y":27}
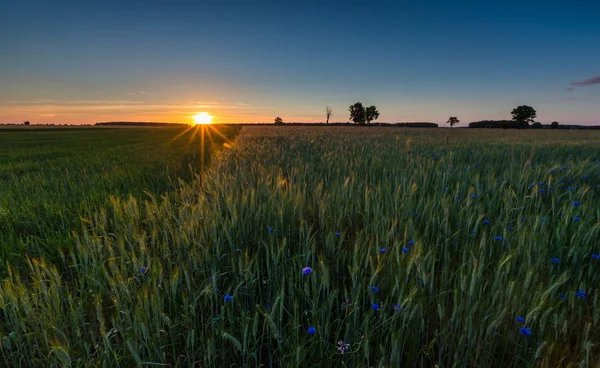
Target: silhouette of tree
{"x":278,"y":121}
{"x":357,"y":113}
{"x":524,"y":114}
{"x":26,"y":123}
{"x":371,"y":114}
{"x":328,"y":113}
{"x":453,"y":120}
{"x":554,"y":124}
{"x":536,"y":125}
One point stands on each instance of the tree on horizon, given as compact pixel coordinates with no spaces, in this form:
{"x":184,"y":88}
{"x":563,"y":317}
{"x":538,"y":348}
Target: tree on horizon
{"x":453,"y":120}
{"x":524,"y":114}
{"x":328,"y":113}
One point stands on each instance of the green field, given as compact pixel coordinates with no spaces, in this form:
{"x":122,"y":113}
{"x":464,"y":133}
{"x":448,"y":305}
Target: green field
{"x":52,"y":178}
{"x":455,"y":248}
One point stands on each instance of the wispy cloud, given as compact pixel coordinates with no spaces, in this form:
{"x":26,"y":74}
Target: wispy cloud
{"x":585,"y":83}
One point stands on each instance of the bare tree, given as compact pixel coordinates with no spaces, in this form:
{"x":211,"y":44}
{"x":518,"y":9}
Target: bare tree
{"x":328,"y":113}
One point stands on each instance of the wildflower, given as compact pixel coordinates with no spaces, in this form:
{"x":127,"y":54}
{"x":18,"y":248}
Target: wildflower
{"x":342,"y":347}
{"x":411,"y":242}
{"x":498,"y":238}
{"x":544,"y":219}
{"x":270,"y":229}
{"x":306,"y":271}
{"x":227,"y":298}
{"x":542,"y":191}
{"x":312,"y":330}
{"x":458,"y":197}
{"x":576,"y":219}
{"x":555,"y":260}
{"x":375,"y":306}
{"x":473,"y":196}
{"x":563,"y":296}
{"x":520,"y":319}
{"x":445,"y":189}
{"x":374,"y":289}
{"x":571,"y":189}
{"x":143,"y":270}
{"x":576,"y":204}
{"x":416,"y":214}
{"x":510,"y":228}
{"x":581,"y":294}
{"x":522,"y":219}
{"x":382,"y":250}
{"x":405,"y":250}
{"x":337,"y":234}
{"x":525,"y":331}
{"x":473,"y":232}
{"x":268,"y":307}
{"x":596,"y":256}
{"x":486,"y":222}
{"x":480,"y":186}
{"x":397,"y":307}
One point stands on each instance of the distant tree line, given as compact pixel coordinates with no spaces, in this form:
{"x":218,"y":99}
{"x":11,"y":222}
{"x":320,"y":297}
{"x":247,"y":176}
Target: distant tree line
{"x":138,"y":123}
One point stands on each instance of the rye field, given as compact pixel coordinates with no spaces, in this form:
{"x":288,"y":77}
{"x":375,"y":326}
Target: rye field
{"x":298,"y":246}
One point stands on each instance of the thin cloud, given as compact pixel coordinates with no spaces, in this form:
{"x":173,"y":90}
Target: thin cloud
{"x":585,"y":83}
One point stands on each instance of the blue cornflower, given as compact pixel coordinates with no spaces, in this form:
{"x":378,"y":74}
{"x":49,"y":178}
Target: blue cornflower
{"x":525,"y":331}
{"x":563,"y":296}
{"x":498,"y":238}
{"x":268,"y":307}
{"x":473,"y":232}
{"x":576,"y":219}
{"x":411,"y":242}
{"x":473,"y":195}
{"x":306,"y":271}
{"x":581,"y":294}
{"x":312,"y":330}
{"x":405,"y":250}
{"x":397,"y":307}
{"x":227,"y":298}
{"x":416,"y":214}
{"x":576,"y":204}
{"x":458,"y":197}
{"x":596,"y":256}
{"x":486,"y":222}
{"x":522,"y":219}
{"x":480,"y":186}
{"x":571,"y":189}
{"x":375,"y":306}
{"x":520,"y":319}
{"x":143,"y":270}
{"x":382,"y":250}
{"x":270,"y":229}
{"x":544,"y":219}
{"x":542,"y":191}
{"x":374,"y":289}
{"x":510,"y":228}
{"x":555,"y":260}
{"x":337,"y":234}
{"x":445,"y":189}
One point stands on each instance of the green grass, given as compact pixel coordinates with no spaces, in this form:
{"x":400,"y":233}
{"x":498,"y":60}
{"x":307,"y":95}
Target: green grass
{"x":50,"y":178}
{"x":145,"y":281}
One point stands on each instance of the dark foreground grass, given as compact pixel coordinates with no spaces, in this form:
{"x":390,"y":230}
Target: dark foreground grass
{"x":51,"y":178}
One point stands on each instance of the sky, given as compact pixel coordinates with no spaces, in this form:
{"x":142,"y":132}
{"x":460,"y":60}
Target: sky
{"x":88,"y":61}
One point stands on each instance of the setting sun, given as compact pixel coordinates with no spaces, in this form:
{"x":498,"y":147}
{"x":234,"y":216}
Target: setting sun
{"x":202,"y":118}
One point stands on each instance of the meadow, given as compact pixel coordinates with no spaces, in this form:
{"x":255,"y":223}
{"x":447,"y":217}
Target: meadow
{"x":298,"y":246}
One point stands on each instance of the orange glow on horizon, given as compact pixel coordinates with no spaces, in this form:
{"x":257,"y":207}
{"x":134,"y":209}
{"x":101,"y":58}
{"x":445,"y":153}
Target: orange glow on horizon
{"x":202,"y":118}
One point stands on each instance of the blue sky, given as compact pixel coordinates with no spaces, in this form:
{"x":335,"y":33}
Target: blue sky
{"x":88,"y":61}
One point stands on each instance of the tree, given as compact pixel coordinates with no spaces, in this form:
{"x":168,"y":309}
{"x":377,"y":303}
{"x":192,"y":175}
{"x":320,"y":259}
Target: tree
{"x":537,"y":125}
{"x":26,"y":123}
{"x":524,"y":114}
{"x":371,"y":114}
{"x":357,"y":113}
{"x":453,"y":121}
{"x":328,"y":113}
{"x":278,"y":121}
{"x":554,"y":124}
